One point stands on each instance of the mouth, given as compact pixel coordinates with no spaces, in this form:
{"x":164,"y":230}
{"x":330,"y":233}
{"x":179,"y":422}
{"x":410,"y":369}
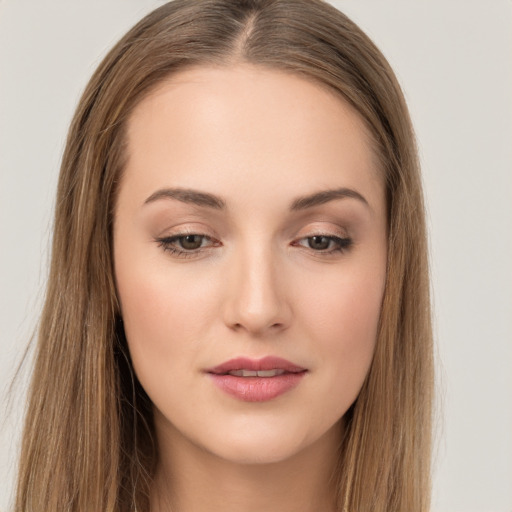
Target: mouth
{"x":256,"y":373}
{"x":260,"y":380}
{"x":269,"y":366}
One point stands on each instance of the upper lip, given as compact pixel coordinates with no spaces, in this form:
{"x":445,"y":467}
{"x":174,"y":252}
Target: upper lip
{"x":266,"y":363}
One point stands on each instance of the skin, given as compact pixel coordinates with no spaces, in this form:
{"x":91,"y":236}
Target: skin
{"x":257,"y":285}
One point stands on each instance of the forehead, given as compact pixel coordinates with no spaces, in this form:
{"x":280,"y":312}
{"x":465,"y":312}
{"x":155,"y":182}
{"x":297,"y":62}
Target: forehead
{"x":250,"y":131}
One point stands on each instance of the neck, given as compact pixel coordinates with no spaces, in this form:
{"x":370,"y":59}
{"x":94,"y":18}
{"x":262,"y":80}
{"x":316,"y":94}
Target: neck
{"x":190,"y":479}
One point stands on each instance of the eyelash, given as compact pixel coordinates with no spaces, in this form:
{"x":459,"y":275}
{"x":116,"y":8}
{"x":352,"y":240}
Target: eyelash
{"x":342,"y":244}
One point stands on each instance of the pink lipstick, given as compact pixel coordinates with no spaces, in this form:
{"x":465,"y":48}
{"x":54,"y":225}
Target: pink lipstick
{"x":256,"y":380}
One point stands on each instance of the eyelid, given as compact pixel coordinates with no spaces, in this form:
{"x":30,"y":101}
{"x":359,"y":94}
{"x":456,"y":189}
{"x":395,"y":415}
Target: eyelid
{"x":326,"y":228}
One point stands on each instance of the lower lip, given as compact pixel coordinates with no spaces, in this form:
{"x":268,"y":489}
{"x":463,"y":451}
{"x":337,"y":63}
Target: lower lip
{"x":257,"y":389}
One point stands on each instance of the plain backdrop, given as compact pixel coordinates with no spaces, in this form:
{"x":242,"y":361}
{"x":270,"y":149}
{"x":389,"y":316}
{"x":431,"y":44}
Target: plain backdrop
{"x":454,"y":61}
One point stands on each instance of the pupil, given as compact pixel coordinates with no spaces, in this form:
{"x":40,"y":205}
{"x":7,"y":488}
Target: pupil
{"x":191,"y":242}
{"x":319,"y":242}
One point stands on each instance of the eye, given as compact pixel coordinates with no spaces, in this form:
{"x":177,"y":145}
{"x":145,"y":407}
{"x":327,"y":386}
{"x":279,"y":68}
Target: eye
{"x":325,"y":244}
{"x":186,"y":245}
{"x":189,"y":245}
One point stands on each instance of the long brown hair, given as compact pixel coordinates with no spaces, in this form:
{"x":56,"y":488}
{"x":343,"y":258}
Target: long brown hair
{"x":88,"y":440}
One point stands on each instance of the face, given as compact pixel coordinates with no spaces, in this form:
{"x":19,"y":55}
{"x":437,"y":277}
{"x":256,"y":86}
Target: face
{"x":250,"y":223}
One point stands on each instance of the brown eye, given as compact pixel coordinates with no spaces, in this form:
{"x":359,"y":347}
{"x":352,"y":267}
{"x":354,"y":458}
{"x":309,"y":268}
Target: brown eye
{"x":319,"y":242}
{"x":186,"y":245}
{"x":325,"y":245}
{"x":191,"y":242}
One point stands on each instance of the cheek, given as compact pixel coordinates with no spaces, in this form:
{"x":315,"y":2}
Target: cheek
{"x":342,"y":318}
{"x":160,"y":307}
{"x":154,"y":307}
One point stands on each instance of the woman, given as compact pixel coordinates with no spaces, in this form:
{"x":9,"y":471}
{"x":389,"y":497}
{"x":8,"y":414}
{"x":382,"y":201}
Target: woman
{"x":237,"y":313}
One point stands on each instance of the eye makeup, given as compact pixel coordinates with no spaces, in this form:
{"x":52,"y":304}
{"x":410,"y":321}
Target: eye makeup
{"x":190,"y":244}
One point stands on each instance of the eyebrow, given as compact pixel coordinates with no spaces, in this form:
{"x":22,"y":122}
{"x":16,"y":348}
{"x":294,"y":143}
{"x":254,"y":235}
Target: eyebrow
{"x":208,"y":200}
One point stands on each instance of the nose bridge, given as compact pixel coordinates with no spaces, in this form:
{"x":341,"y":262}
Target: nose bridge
{"x":256,"y":301}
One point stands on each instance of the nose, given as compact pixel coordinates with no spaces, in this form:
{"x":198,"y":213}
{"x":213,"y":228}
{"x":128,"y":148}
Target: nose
{"x":256,"y":294}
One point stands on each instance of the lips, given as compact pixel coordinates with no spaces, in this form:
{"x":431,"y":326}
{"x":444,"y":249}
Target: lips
{"x":261,"y":365}
{"x":256,"y":373}
{"x":256,"y":380}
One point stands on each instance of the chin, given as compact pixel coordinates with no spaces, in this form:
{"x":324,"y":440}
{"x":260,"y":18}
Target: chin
{"x":260,"y":443}
{"x":257,"y":451}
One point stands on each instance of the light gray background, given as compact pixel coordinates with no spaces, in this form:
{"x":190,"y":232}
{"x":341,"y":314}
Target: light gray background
{"x":453,"y":58}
